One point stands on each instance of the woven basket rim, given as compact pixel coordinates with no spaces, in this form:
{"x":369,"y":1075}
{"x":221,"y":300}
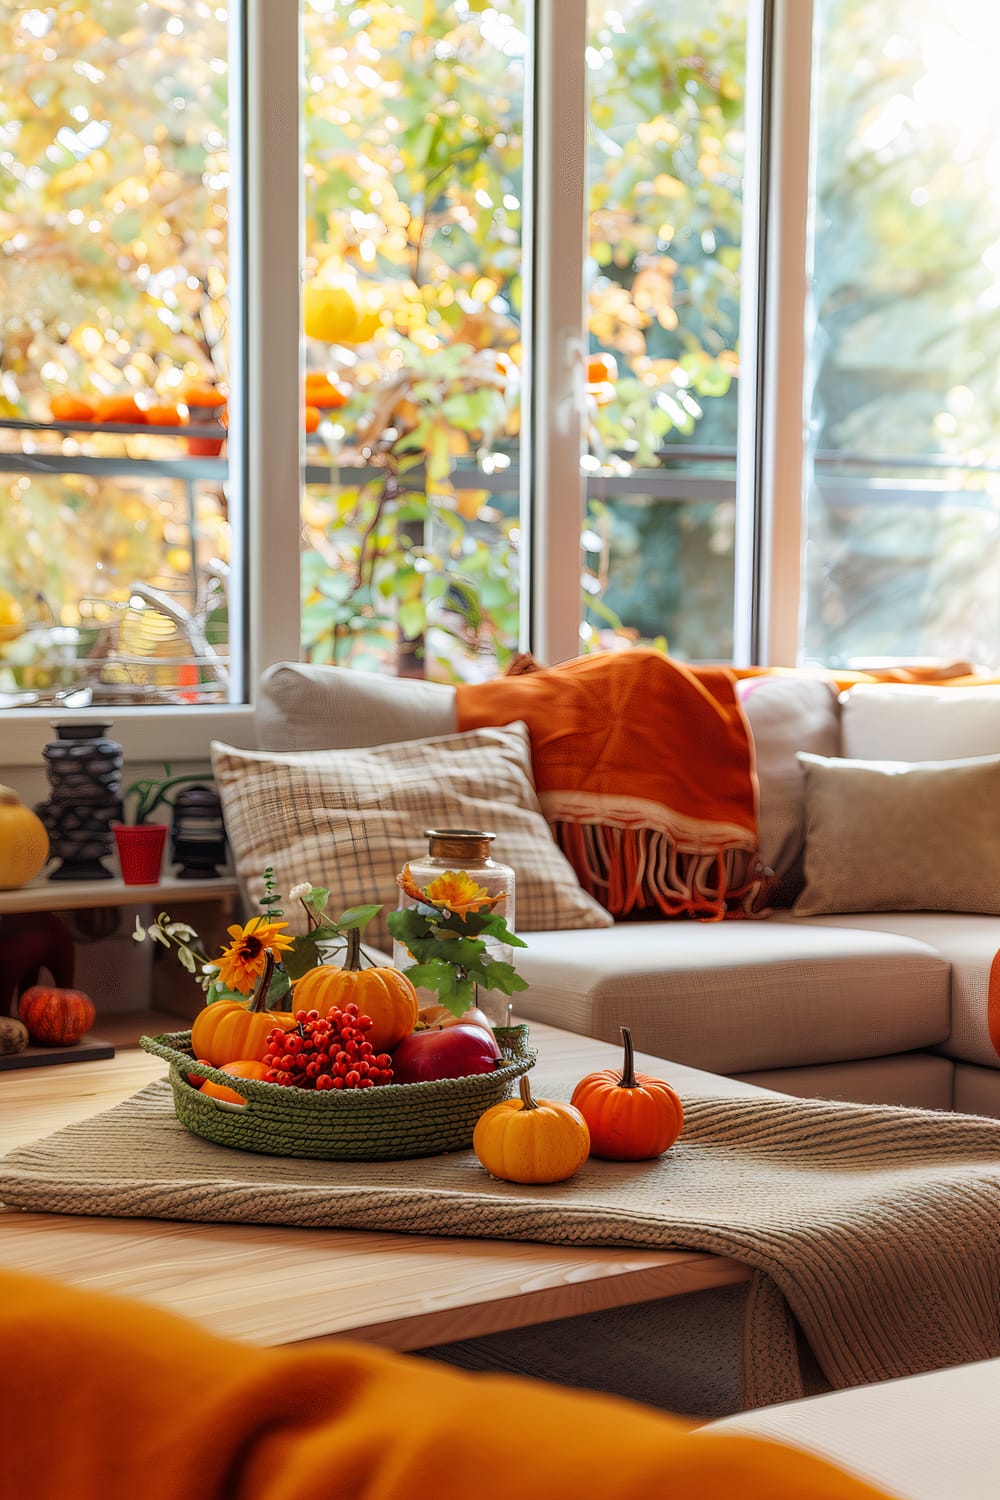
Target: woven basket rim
{"x":169,"y":1044}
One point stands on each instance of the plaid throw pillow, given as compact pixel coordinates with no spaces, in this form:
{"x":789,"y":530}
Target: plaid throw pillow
{"x":350,"y":819}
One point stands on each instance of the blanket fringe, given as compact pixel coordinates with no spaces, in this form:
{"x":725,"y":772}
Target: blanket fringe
{"x":640,"y":869}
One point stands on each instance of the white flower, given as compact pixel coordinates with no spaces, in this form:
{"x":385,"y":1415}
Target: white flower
{"x":301,"y":891}
{"x":180,"y":930}
{"x":139,"y":932}
{"x":158,"y":936}
{"x":187,"y":959}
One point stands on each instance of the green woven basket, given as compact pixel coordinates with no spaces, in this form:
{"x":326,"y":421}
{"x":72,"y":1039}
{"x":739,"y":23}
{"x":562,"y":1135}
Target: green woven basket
{"x":380,"y":1124}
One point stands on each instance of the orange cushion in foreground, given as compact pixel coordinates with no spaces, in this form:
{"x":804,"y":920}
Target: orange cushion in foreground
{"x":105,"y":1399}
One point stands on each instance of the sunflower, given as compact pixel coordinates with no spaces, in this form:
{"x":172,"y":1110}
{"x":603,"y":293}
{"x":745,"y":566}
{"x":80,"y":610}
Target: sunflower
{"x":245,"y":960}
{"x":454,"y":891}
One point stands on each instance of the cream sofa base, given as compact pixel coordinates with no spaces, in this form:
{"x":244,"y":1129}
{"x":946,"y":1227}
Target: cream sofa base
{"x":925,"y":1437}
{"x":916,"y":1080}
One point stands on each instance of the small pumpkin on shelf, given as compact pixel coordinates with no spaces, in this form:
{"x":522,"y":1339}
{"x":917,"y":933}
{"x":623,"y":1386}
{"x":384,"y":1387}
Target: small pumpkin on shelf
{"x":384,"y":993}
{"x":24,"y":842}
{"x":531,"y":1141}
{"x":631,"y":1116}
{"x":56,"y":1017}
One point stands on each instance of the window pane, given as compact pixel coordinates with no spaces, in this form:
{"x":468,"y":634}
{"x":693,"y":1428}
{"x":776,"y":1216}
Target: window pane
{"x":665,"y":162}
{"x":114,"y":179}
{"x":903,"y":536}
{"x":414,"y":119}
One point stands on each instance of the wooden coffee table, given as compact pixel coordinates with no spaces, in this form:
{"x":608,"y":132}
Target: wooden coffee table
{"x":272,"y":1286}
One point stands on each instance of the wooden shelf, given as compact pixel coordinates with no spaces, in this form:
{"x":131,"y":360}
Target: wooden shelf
{"x":76,"y":895}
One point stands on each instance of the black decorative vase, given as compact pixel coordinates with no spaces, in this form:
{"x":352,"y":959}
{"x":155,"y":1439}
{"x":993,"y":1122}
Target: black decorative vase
{"x":85,"y":773}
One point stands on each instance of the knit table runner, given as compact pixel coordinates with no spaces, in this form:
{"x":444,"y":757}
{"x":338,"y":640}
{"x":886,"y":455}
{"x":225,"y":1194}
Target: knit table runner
{"x":876,"y":1229}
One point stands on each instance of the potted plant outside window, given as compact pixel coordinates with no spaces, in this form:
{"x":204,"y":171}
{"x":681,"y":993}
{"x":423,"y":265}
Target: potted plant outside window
{"x":140,"y":842}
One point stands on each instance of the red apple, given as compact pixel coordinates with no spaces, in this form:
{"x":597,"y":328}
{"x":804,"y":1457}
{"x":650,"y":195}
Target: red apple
{"x":454,"y":1052}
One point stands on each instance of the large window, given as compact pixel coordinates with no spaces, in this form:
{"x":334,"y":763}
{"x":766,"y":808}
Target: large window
{"x":525,"y":324}
{"x":115,"y":526}
{"x":903,"y":478}
{"x":666,"y":156}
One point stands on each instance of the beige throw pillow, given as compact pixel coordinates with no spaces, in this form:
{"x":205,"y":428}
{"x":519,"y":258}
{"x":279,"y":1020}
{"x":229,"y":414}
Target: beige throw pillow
{"x":901,"y":836}
{"x":349,"y":820}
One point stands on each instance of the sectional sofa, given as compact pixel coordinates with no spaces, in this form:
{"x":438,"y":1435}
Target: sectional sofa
{"x":868,"y":972}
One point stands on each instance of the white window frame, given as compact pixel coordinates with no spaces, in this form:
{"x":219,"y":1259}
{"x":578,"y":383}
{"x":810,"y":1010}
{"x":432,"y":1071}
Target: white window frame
{"x":266,"y":433}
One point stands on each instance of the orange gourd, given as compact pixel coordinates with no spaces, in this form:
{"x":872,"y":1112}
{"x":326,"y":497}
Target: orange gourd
{"x":230,"y":1030}
{"x":528,"y":1140}
{"x":244,"y":1067}
{"x":383,"y":993}
{"x":56,"y":1017}
{"x":66,"y":407}
{"x":122,"y":409}
{"x":163,"y":416}
{"x":631,"y":1116}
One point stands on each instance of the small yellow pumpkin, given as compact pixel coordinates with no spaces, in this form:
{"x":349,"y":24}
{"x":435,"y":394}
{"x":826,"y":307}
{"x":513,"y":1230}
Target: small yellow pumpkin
{"x":24,"y":843}
{"x":383,"y":993}
{"x":528,"y":1140}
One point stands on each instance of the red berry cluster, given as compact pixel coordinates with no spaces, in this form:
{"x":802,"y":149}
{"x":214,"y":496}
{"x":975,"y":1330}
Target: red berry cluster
{"x":326,"y":1052}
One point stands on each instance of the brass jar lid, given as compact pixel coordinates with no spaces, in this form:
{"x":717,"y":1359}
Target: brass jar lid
{"x":459,"y":843}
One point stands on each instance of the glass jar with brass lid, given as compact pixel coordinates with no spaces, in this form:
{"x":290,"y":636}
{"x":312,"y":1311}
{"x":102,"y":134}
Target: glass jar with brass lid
{"x":466,"y":851}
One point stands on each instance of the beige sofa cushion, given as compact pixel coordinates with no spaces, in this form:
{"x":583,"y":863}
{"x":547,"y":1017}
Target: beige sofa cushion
{"x":925,"y":1437}
{"x":302,"y":707}
{"x":348,"y":820}
{"x":971,"y":946}
{"x":787,"y":714}
{"x":900,"y":836}
{"x":893,"y":721}
{"x":740,"y":997}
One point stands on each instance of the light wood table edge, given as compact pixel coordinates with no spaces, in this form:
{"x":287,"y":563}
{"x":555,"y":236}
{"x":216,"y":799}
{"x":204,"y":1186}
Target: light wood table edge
{"x":685,"y":1272}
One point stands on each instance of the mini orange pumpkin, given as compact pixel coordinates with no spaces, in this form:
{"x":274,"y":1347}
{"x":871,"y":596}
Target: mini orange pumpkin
{"x":231,"y":1031}
{"x":631,"y":1116}
{"x":55,"y":1017}
{"x":122,"y":409}
{"x":383,"y":993}
{"x":243,"y":1067}
{"x":529,"y":1140}
{"x":65,"y":407}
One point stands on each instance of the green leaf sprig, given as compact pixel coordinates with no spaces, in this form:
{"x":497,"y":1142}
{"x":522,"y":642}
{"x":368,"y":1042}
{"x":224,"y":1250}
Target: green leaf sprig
{"x":451,"y":953}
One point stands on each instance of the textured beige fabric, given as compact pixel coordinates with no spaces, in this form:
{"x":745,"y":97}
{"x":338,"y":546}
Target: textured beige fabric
{"x":898,"y":836}
{"x":875,"y":1228}
{"x":925,"y":1437}
{"x":896,"y":721}
{"x":349,"y":819}
{"x":303,"y":707}
{"x":738,"y":997}
{"x":787,"y":714}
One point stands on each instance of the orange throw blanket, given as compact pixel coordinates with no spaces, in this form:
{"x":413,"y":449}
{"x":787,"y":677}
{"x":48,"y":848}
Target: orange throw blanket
{"x":644,"y":769}
{"x":104,"y":1399}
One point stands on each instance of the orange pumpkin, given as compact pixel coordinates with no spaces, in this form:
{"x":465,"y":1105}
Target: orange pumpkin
{"x":531,"y":1140}
{"x":65,"y":407}
{"x":630,"y":1115}
{"x":383,"y":993}
{"x":163,"y":415}
{"x":118,"y":409}
{"x":55,"y":1017}
{"x":230,"y":1030}
{"x":244,"y":1067}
